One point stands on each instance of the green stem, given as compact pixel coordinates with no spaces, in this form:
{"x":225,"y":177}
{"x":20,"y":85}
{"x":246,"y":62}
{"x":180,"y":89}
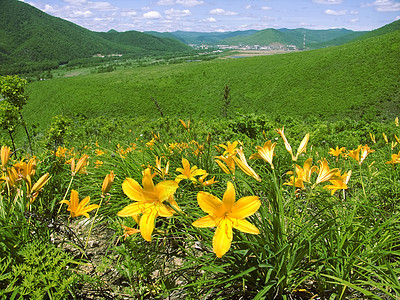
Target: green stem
{"x":362,"y":182}
{"x":94,"y":218}
{"x":66,"y":193}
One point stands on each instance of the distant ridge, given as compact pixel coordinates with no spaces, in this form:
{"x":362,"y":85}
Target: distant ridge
{"x":29,"y":35}
{"x":265,"y":37}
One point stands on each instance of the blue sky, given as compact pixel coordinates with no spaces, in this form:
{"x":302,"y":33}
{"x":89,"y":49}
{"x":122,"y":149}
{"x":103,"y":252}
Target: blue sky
{"x":225,"y":15}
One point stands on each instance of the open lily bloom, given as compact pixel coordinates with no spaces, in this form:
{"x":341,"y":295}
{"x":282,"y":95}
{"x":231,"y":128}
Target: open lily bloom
{"x":149,"y":201}
{"x":302,"y":174}
{"x":225,"y":215}
{"x":77,"y":208}
{"x":265,"y":152}
{"x":188,"y":172}
{"x":324,"y":173}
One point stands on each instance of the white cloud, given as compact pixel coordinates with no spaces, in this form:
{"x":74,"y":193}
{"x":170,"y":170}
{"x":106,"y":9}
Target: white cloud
{"x":354,"y":20}
{"x":166,"y":2}
{"x":335,"y":13}
{"x":49,"y":9}
{"x":101,"y":6}
{"x":209,"y":20}
{"x":74,"y":2}
{"x":178,"y":13}
{"x":248,"y":6}
{"x":328,"y":1}
{"x":152,"y":15}
{"x":266,"y":8}
{"x":128,"y":13}
{"x":80,"y":14}
{"x":189,"y":2}
{"x":220,"y":11}
{"x":386,"y":5}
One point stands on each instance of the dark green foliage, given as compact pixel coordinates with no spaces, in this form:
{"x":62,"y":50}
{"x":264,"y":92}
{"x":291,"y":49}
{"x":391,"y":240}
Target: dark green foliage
{"x":31,"y":36}
{"x":59,"y":128}
{"x":43,"y":273}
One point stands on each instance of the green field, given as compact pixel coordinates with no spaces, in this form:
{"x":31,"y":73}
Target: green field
{"x":352,"y":80}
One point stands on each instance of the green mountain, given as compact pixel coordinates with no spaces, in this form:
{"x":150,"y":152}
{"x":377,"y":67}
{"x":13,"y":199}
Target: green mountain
{"x":314,"y":38}
{"x":289,"y":37}
{"x":357,"y":79}
{"x":29,"y":35}
{"x":391,"y":27}
{"x":213,"y":38}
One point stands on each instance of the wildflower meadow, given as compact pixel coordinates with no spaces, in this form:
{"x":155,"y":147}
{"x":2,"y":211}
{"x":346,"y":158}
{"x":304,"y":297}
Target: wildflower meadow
{"x":251,"y":207}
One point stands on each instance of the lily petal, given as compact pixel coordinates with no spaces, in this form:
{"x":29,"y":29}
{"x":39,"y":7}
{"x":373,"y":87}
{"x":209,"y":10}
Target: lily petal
{"x":223,"y":237}
{"x":146,"y":223}
{"x":131,"y":210}
{"x":245,"y":226}
{"x":165,"y":189}
{"x":132,"y":189}
{"x":207,"y":221}
{"x":209,"y":203}
{"x":229,"y":196}
{"x":147,"y":180}
{"x":245,"y":207}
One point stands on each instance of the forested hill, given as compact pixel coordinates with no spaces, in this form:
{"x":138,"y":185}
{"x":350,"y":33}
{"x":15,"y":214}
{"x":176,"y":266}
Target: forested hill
{"x":29,"y":35}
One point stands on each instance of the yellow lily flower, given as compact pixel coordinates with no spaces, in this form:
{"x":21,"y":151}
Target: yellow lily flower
{"x":302,"y":148}
{"x":151,"y":143}
{"x":12,"y":177}
{"x":98,"y":164}
{"x":77,"y":208}
{"x":188,"y":172}
{"x":336,"y":152}
{"x":395,"y":159}
{"x":385,"y":137}
{"x":372,"y":136}
{"x":265,"y":152}
{"x":161,"y":171}
{"x":128,"y":231}
{"x":228,"y":160}
{"x":186,"y":126}
{"x":99,"y":152}
{"x":26,"y":170}
{"x":230,"y":149}
{"x":360,"y":153}
{"x":302,"y":174}
{"x":225,"y":215}
{"x":355,"y":154}
{"x":339,"y":183}
{"x":33,"y":193}
{"x":149,"y":201}
{"x":5,"y":156}
{"x":244,"y":166}
{"x":324,"y":173}
{"x":207,"y":182}
{"x":80,"y":166}
{"x":107,"y":183}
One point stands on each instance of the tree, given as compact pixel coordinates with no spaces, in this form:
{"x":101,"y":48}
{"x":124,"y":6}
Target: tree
{"x":12,"y":88}
{"x":9,"y":119}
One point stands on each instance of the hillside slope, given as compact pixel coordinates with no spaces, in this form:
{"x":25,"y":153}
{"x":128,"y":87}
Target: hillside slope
{"x":27,"y":34}
{"x":354,"y":80}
